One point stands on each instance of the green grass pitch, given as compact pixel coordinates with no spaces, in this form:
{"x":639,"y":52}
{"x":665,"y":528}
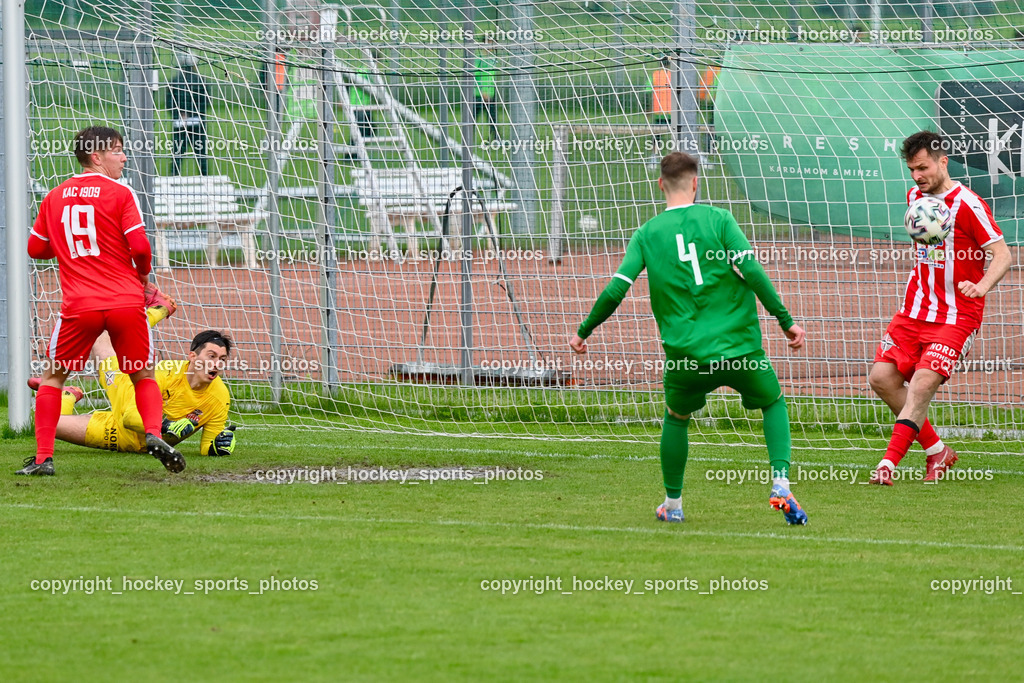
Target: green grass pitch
{"x":399,"y":567}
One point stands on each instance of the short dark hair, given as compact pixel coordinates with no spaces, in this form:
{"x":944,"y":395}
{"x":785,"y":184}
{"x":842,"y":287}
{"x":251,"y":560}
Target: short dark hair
{"x":936,"y":145}
{"x":211,"y":337}
{"x":677,"y":167}
{"x":95,"y":139}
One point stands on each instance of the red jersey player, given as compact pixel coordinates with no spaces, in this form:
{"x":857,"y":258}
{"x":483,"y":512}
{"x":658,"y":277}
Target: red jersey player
{"x":941,"y":311}
{"x":92,"y":225}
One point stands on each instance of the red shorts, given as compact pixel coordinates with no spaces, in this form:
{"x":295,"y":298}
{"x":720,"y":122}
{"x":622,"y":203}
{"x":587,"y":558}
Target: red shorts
{"x":75,"y":333}
{"x":912,"y":345}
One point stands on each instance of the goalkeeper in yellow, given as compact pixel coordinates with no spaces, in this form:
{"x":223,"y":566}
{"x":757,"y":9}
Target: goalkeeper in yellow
{"x":195,"y":398}
{"x":703,"y":277}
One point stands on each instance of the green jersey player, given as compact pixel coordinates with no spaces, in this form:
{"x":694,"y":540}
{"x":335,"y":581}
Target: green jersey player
{"x":703,"y":277}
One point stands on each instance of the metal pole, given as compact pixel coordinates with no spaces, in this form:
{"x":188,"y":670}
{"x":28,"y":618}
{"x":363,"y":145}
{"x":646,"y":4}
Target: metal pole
{"x":451,"y":127}
{"x":524,"y":118}
{"x":395,"y":57}
{"x":323,"y":181}
{"x":179,"y":21}
{"x":559,"y":173}
{"x":3,"y":245}
{"x":927,"y":22}
{"x":16,"y":134}
{"x":273,"y":215}
{"x":444,"y":156}
{"x":876,"y":20}
{"x":140,"y":118}
{"x":794,"y":20}
{"x":328,"y":210}
{"x":618,"y":72}
{"x":468,"y":121}
{"x":684,"y":80}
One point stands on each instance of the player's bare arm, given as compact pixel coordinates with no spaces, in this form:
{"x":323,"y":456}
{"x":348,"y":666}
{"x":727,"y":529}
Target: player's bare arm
{"x":997,"y":270}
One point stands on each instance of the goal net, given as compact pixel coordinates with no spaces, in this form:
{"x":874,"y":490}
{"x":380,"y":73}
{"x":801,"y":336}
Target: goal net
{"x":402,"y":211}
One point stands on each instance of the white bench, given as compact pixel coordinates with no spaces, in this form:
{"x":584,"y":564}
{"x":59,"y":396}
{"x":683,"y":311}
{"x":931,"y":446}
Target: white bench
{"x":396,"y":190}
{"x":210,"y":201}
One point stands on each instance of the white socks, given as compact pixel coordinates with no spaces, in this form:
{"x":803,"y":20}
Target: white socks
{"x":673,"y":503}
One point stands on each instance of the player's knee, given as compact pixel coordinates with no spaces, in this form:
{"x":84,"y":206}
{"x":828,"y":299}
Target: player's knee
{"x":884,"y":381}
{"x":676,"y":415}
{"x":143,"y":374}
{"x":925,"y":383}
{"x":54,"y":374}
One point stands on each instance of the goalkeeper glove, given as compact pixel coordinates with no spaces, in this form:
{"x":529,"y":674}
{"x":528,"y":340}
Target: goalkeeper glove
{"x":224,"y":443}
{"x":174,"y":432}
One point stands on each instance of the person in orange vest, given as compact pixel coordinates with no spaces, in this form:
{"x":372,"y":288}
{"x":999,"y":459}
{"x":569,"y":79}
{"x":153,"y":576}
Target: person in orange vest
{"x":661,"y":93}
{"x":660,"y":85}
{"x":706,"y":87}
{"x":661,"y":90}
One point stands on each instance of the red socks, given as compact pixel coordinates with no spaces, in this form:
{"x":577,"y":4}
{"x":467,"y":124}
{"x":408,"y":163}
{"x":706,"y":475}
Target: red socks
{"x":903,"y":436}
{"x":150,"y":405}
{"x":927,"y":436}
{"x":47,"y":415}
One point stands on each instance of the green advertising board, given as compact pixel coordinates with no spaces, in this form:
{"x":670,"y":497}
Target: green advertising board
{"x":812,"y":132}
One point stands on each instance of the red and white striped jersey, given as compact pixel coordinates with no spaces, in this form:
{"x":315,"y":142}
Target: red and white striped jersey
{"x":932,"y":293}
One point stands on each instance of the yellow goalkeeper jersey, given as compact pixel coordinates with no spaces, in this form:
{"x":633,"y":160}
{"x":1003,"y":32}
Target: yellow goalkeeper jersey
{"x":119,"y":429}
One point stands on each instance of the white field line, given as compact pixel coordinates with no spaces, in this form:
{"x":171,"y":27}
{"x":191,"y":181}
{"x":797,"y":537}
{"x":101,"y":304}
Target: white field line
{"x":796,"y":534}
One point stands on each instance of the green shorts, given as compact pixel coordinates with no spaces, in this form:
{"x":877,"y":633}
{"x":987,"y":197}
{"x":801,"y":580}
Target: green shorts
{"x":687,"y":385}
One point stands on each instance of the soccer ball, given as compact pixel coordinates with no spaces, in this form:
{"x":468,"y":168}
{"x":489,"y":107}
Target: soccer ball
{"x":928,"y":221}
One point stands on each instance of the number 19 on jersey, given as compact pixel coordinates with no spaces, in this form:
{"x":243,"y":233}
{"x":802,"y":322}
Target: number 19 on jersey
{"x":75,"y":227}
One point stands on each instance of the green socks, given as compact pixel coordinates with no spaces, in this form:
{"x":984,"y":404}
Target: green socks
{"x":675,"y":447}
{"x":776,"y":437}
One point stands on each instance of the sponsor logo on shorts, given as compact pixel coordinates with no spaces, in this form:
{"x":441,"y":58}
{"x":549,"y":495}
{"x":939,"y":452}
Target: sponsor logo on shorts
{"x":942,"y":350}
{"x":110,"y":438}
